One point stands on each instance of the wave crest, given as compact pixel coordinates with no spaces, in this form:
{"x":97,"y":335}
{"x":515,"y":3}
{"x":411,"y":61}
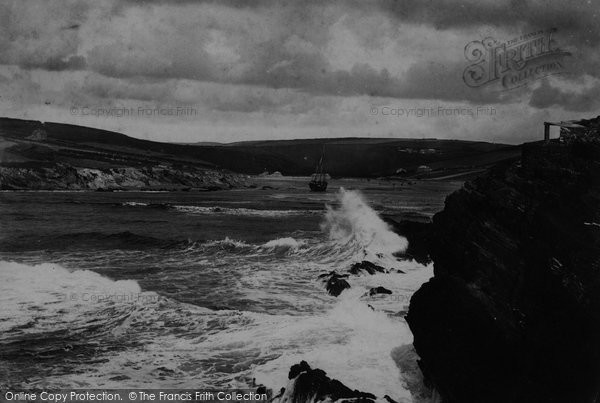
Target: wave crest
{"x":66,"y":309}
{"x":284,"y":243}
{"x":355,"y":224}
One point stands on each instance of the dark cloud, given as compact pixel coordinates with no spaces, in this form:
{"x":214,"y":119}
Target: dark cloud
{"x":56,"y":64}
{"x":73,"y":26}
{"x":545,"y":96}
{"x":40,"y":35}
{"x":286,"y":47}
{"x":162,"y":61}
{"x":237,"y":57}
{"x":116,"y":89}
{"x":573,"y":18}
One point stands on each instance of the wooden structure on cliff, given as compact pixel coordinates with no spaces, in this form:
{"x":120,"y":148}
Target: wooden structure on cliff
{"x":571,"y":128}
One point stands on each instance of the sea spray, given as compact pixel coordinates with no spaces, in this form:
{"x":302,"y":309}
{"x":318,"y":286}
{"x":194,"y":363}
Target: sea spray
{"x":355,"y":223}
{"x":283,"y":244}
{"x":351,"y":342}
{"x":53,"y":293}
{"x":216,"y":310}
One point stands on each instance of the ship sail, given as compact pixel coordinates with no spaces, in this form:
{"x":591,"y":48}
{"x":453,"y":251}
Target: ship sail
{"x":318,"y":182}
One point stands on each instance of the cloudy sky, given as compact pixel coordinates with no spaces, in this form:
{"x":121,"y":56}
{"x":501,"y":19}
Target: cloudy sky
{"x":231,"y":70}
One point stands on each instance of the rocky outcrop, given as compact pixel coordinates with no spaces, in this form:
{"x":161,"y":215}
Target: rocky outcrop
{"x":335,"y":283}
{"x":512,"y":313}
{"x":366,"y":267}
{"x":66,"y":177}
{"x":313,"y":385}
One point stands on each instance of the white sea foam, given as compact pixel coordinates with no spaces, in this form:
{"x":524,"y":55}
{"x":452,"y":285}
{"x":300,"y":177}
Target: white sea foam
{"x":288,"y":242}
{"x":227,"y":243}
{"x":182,"y":345}
{"x":349,"y":340}
{"x":352,"y":343}
{"x":134,"y":204}
{"x":202,"y":210}
{"x":354,"y":223}
{"x":57,"y":298}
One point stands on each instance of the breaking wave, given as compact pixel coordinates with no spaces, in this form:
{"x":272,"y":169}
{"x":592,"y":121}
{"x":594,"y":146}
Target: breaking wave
{"x":67,"y":310}
{"x":284,"y":243}
{"x":353,"y":230}
{"x":241,"y":211}
{"x":225,"y":311}
{"x":203,"y":210}
{"x":355,"y":225}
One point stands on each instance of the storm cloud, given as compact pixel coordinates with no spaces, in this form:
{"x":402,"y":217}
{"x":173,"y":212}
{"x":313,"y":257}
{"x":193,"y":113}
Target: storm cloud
{"x":294,"y":65}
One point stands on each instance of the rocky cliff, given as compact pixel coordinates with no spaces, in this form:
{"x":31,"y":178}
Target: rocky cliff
{"x":66,"y":177}
{"x":512,"y":313}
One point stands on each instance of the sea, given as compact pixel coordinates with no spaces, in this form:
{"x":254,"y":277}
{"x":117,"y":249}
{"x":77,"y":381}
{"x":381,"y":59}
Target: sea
{"x":210,"y":289}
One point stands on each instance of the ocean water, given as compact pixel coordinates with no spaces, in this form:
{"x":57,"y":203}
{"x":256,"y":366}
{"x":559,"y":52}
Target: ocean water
{"x":215,"y":289}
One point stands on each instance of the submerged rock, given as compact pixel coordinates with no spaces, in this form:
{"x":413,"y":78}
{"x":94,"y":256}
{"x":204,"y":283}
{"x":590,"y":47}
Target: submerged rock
{"x":333,"y":273}
{"x":512,"y":313}
{"x":379,"y":290}
{"x":313,"y":385}
{"x":389,"y":399}
{"x":366,"y":266}
{"x":335,"y":283}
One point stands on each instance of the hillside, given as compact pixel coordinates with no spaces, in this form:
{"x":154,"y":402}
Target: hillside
{"x":360,"y":157}
{"x":53,"y":156}
{"x":32,"y":144}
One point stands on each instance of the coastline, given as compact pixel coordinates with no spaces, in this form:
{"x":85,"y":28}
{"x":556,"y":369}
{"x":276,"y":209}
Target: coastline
{"x":162,"y":178}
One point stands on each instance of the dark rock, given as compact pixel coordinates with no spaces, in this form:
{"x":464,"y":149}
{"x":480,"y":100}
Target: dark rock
{"x":278,"y":397}
{"x":389,"y":399}
{"x":296,"y":369}
{"x":335,"y":284}
{"x":417,"y":233}
{"x":314,"y":385}
{"x":333,"y":273}
{"x":512,"y":313}
{"x":379,"y":290}
{"x":366,"y":266}
{"x":261,"y":389}
{"x":119,"y":378}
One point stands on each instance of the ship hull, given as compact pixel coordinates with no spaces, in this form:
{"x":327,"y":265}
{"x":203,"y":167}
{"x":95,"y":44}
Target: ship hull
{"x":318,"y":186}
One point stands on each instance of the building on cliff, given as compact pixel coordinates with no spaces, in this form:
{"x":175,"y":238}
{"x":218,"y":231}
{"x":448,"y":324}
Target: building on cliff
{"x":572,"y":128}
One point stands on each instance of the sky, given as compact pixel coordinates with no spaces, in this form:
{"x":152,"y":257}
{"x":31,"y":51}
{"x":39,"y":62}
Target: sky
{"x":234,"y":70}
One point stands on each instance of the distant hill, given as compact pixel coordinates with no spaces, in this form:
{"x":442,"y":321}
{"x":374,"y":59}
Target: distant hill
{"x":26,"y":143}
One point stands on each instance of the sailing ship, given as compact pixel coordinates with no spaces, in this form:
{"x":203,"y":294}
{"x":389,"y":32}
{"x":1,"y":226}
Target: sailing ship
{"x":318,"y":181}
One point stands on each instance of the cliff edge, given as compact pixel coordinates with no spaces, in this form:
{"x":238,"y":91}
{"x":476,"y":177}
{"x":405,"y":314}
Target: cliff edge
{"x":512,"y":313}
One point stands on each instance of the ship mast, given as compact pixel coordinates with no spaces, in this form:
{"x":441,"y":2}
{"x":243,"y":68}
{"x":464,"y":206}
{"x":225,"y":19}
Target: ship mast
{"x":321,"y":175}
